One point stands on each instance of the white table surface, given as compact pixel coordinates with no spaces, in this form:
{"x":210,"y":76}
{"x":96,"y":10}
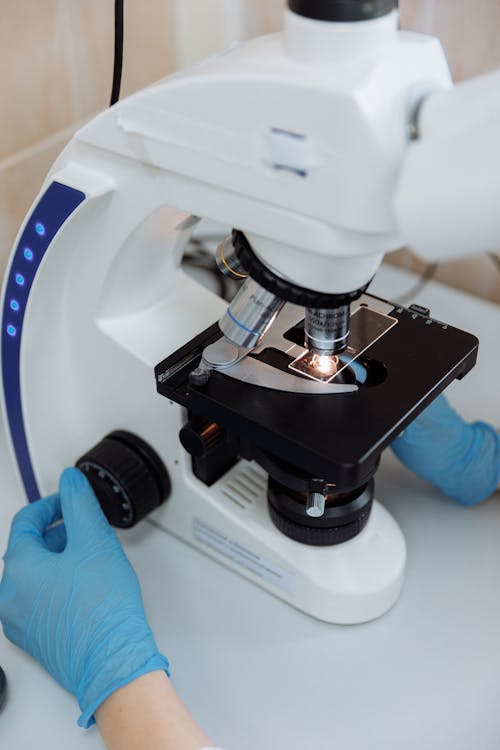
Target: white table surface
{"x":258,"y":674}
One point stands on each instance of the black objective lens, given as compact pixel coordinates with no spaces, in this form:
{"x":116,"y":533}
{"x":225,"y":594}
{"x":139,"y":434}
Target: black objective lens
{"x":342,"y":10}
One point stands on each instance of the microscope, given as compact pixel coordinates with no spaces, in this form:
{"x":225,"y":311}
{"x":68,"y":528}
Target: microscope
{"x":253,"y":431}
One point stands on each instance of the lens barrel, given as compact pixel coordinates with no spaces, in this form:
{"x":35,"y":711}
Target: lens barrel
{"x":342,"y":10}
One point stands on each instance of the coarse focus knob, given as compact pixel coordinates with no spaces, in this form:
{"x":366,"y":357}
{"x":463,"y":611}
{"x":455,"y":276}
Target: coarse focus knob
{"x":128,"y":477}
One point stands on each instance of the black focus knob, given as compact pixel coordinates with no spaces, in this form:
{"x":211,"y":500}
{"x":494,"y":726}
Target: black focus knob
{"x":3,"y":687}
{"x":345,"y":514}
{"x":199,"y":436}
{"x":128,"y":477}
{"x":342,"y":10}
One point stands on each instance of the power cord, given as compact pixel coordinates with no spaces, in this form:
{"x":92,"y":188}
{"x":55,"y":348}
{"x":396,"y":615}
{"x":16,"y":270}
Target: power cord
{"x":495,"y":260}
{"x":425,"y":277}
{"x":118,"y":53}
{"x":428,"y":274}
{"x":199,"y":255}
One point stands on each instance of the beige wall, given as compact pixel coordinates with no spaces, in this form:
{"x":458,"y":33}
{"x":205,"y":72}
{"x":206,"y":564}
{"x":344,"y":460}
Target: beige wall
{"x":56,"y":65}
{"x":468,"y":29}
{"x":55,"y":71}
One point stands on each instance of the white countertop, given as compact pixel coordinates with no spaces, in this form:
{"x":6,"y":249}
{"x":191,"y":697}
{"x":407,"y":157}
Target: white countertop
{"x":258,"y":674}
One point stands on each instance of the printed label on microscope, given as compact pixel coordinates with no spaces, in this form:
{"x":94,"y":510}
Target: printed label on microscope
{"x":260,"y":566}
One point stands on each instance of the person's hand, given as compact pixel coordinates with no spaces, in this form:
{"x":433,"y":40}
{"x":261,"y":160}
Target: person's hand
{"x":71,"y":599}
{"x":461,"y":458}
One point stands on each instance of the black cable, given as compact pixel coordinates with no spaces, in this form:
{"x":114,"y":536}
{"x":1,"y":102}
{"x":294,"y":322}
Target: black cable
{"x":197,"y":255}
{"x":495,"y":259}
{"x":118,"y":53}
{"x":425,"y":277}
{"x":429,"y":273}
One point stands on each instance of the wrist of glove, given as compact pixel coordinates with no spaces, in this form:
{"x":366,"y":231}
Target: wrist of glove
{"x":71,"y":599}
{"x":462,"y":459}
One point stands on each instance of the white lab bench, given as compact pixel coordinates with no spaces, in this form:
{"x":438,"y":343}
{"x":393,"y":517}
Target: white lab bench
{"x":258,"y":674}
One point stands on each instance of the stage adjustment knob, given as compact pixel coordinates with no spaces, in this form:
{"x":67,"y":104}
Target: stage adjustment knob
{"x":199,"y":436}
{"x":128,"y":477}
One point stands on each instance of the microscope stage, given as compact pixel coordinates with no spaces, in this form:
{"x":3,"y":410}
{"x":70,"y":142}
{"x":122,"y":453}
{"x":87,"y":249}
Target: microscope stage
{"x":335,"y":435}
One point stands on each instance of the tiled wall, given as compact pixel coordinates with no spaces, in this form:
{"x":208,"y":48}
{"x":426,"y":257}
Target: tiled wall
{"x":56,"y":64}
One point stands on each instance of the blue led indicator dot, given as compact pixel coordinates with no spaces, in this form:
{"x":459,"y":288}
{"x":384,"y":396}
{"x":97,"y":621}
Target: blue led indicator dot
{"x":20,"y":279}
{"x":39,"y":229}
{"x":14,"y":305}
{"x":28,"y":254}
{"x":11,"y":330}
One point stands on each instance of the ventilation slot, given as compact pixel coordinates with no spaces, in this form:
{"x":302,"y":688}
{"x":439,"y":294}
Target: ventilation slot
{"x":245,"y":486}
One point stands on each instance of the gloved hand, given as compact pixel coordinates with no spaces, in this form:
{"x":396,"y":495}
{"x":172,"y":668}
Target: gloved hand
{"x":461,"y":458}
{"x":70,"y":598}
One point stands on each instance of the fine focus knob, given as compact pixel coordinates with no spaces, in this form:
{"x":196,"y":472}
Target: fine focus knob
{"x":128,"y":477}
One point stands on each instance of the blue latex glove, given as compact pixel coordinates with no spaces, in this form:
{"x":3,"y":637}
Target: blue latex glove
{"x":71,"y":599}
{"x":460,"y":458}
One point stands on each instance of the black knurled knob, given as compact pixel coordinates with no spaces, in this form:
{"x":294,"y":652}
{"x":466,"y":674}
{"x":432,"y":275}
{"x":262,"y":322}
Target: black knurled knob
{"x":286,"y":290}
{"x":345,"y":514}
{"x":128,"y":477}
{"x":3,"y":687}
{"x":319,"y":537}
{"x":199,"y":436}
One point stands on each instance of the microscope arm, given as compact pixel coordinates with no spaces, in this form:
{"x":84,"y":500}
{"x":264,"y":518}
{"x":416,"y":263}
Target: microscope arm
{"x":447,"y":201}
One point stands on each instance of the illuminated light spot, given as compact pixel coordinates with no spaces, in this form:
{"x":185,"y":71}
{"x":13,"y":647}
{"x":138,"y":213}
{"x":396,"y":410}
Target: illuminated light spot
{"x":11,"y":330}
{"x":28,"y":254}
{"x":326,"y":364}
{"x":20,"y":280}
{"x":40,"y":228}
{"x":14,"y":305}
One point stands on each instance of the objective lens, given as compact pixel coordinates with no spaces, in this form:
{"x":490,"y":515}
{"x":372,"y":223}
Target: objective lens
{"x":327,"y":331}
{"x":250,"y":315}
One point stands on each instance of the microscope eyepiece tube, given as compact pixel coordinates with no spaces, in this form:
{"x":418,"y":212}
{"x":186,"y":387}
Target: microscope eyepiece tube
{"x":250,"y":315}
{"x":342,"y":10}
{"x":327,"y":331}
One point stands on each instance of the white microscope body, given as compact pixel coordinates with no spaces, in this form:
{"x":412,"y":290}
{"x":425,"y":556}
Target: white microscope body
{"x":300,"y":140}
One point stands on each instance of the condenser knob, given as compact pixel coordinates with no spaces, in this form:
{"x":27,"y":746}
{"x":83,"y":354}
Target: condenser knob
{"x":128,"y":477}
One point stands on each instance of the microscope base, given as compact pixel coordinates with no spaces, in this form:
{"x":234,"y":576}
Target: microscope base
{"x":349,"y":583}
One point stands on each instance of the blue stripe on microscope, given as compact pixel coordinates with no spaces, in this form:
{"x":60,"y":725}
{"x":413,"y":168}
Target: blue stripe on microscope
{"x":55,"y":206}
{"x":256,"y":333}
